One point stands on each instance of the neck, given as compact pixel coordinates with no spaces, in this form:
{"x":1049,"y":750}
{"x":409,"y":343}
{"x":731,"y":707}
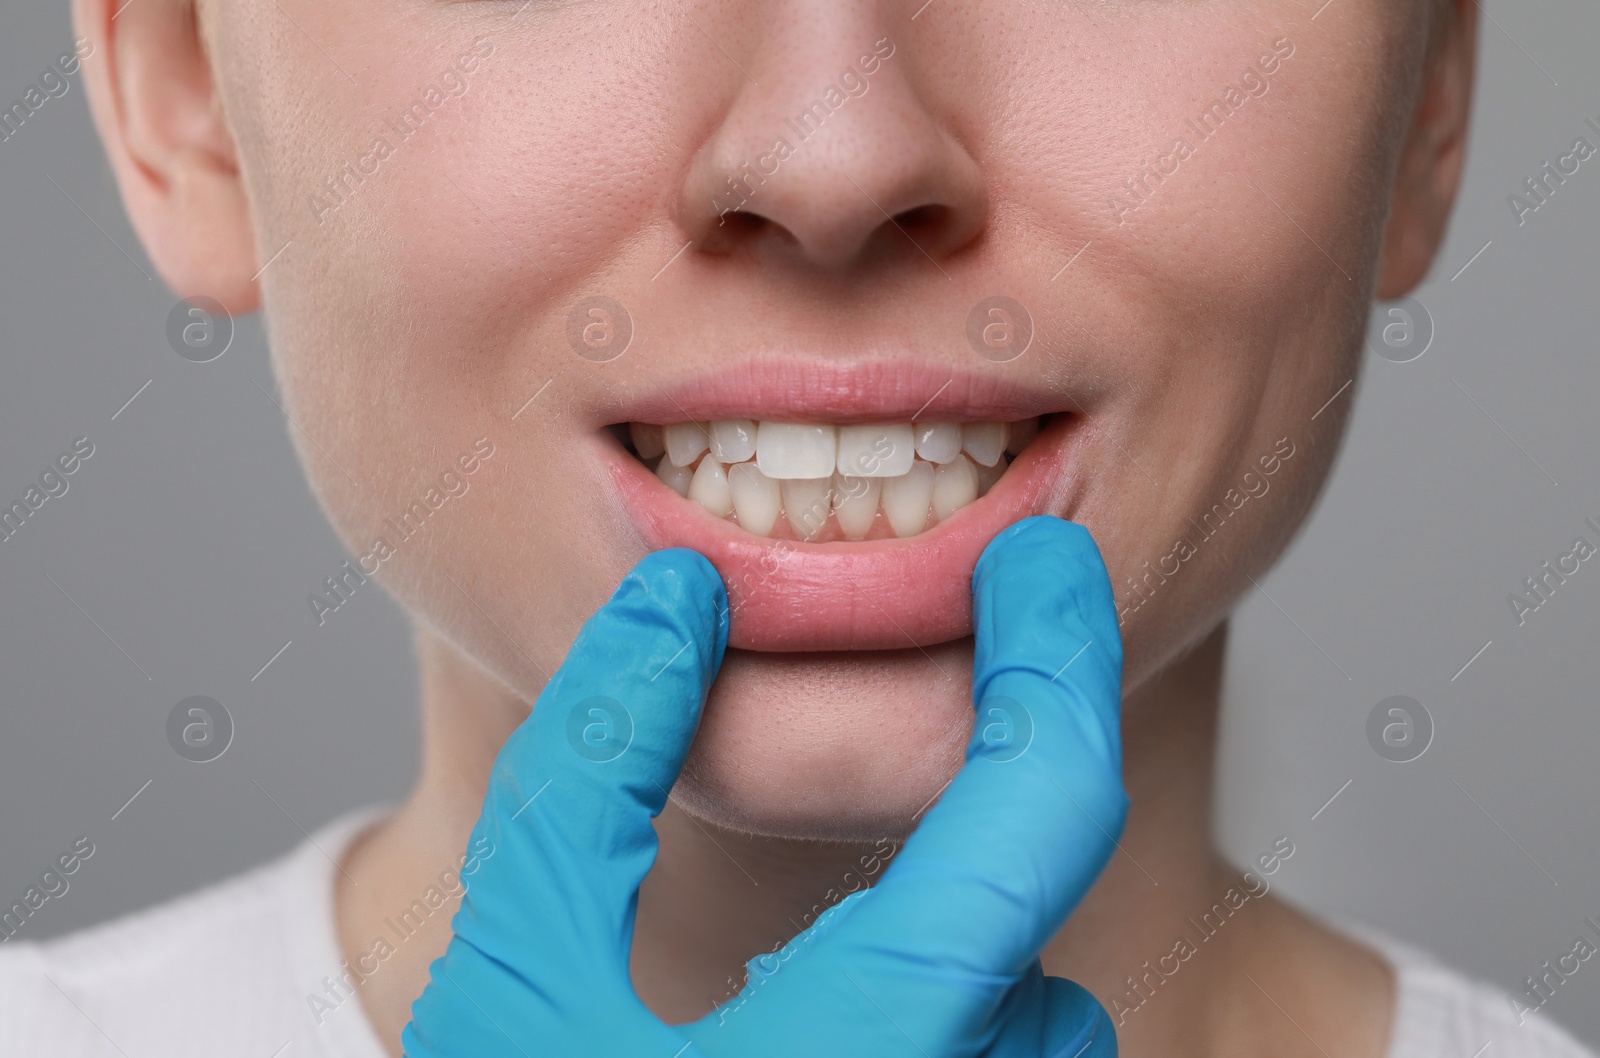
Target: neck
{"x":716,"y":898}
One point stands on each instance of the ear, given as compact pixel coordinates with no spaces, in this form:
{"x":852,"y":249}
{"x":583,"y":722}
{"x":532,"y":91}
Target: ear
{"x":1431,"y":161}
{"x":167,"y":138}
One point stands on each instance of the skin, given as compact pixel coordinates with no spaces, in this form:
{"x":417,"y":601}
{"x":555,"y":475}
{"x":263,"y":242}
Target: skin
{"x":1211,"y":322}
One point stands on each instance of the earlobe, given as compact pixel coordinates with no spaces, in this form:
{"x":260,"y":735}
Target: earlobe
{"x":159,"y":117}
{"x":1429,"y":173}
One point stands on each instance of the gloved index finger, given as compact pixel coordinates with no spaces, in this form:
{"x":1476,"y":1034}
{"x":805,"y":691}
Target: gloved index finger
{"x":1028,"y":823}
{"x":1041,"y":594}
{"x":572,"y":793}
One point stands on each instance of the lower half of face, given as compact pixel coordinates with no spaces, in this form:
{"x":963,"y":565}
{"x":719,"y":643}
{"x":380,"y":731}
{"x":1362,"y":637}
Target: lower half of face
{"x":833,"y":315}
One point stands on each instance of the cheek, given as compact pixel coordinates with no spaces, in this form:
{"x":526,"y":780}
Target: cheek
{"x":431,"y":233}
{"x":440,"y":280}
{"x":1230,"y":200}
{"x":1232,"y":266}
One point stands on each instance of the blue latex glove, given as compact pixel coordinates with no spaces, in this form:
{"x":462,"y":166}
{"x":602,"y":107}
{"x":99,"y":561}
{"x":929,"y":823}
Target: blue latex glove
{"x":940,"y":958}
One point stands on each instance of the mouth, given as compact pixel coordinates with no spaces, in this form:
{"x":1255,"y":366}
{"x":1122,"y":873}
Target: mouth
{"x":840,"y":514}
{"x":830,"y":483}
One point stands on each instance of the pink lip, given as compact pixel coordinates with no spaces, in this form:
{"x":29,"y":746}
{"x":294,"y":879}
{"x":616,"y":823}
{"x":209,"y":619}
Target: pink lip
{"x":868,"y":595}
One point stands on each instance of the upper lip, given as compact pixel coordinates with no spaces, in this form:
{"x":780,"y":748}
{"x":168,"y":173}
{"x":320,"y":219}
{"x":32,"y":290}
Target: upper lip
{"x":835,"y":390}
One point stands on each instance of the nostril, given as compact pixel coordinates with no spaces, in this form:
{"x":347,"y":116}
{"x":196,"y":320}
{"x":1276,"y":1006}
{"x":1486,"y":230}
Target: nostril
{"x":919,"y":216}
{"x":737,"y":228}
{"x":741,"y":223}
{"x":929,"y":226}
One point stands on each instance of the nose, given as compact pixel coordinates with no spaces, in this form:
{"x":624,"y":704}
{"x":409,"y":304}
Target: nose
{"x":829,"y":154}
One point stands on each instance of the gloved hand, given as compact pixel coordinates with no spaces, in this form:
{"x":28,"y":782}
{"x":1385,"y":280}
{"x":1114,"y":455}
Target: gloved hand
{"x":940,"y":958}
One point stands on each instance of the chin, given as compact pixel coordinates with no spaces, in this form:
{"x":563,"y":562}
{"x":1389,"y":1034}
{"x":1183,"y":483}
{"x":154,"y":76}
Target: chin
{"x":829,"y":746}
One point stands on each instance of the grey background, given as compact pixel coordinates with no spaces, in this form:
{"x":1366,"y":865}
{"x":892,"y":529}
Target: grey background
{"x":179,"y":561}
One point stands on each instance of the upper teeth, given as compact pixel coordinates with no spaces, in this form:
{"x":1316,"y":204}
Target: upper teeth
{"x":809,"y":471}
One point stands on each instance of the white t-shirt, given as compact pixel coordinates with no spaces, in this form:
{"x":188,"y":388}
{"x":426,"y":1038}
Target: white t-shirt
{"x":249,"y":968}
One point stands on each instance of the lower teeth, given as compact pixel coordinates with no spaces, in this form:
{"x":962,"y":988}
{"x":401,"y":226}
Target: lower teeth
{"x":840,"y":506}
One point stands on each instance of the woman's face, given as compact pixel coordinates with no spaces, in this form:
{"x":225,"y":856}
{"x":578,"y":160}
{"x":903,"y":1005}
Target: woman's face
{"x":507,"y":227}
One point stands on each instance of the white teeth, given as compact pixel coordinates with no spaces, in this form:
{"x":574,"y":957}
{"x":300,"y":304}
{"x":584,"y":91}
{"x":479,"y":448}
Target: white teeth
{"x":855,"y":504}
{"x":954,"y":486}
{"x":881,"y":450}
{"x":806,"y":504}
{"x":987,"y":476}
{"x":938,"y":442}
{"x":647,"y":439}
{"x":1022,"y":435}
{"x":733,"y":440}
{"x":685,"y":442}
{"x":829,"y":482}
{"x":677,"y":478}
{"x":709,"y":488}
{"x":984,"y":441}
{"x":756,"y":498}
{"x":906,"y":499}
{"x":791,"y":450}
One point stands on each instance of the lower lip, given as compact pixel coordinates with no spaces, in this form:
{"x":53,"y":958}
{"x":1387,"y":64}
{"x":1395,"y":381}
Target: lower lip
{"x":868,"y":595}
